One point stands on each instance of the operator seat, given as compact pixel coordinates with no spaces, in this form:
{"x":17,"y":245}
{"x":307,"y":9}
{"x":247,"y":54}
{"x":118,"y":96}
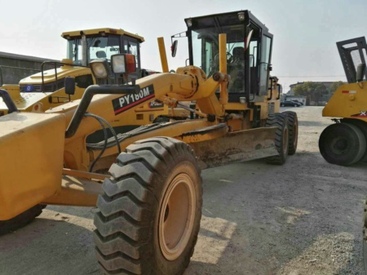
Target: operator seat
{"x":238,"y":55}
{"x":101,"y":54}
{"x":236,"y":70}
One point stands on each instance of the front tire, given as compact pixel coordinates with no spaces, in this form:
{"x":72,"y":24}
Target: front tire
{"x":293,"y":132}
{"x":280,"y":120}
{"x":363,"y":127}
{"x":149,"y":214}
{"x":342,"y":144}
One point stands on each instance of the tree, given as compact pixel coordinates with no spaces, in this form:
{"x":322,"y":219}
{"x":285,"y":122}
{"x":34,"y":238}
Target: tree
{"x":305,"y":89}
{"x":315,"y":91}
{"x":335,"y":86}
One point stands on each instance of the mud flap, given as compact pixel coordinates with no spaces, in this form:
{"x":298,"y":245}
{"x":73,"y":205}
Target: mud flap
{"x":237,"y":146}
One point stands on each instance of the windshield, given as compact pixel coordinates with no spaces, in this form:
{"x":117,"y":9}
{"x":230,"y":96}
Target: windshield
{"x":205,"y":54}
{"x":96,"y":47}
{"x":206,"y":49}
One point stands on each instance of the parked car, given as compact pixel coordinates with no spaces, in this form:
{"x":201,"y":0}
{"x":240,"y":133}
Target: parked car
{"x":298,"y":102}
{"x":290,"y":103}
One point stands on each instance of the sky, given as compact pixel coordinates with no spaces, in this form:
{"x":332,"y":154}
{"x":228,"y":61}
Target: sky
{"x":305,"y":31}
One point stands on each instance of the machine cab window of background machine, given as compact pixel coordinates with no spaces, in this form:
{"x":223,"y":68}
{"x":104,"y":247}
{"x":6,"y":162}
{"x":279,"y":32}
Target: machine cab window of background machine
{"x":83,"y":49}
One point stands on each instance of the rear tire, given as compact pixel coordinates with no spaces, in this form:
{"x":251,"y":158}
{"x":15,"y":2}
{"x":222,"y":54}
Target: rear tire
{"x":342,"y":144}
{"x":21,"y":220}
{"x":280,"y":120}
{"x":150,"y":210}
{"x":363,"y":127}
{"x":293,"y":132}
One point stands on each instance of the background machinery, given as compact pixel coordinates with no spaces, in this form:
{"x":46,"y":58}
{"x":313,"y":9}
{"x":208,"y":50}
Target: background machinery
{"x":44,"y":90}
{"x":344,"y":142}
{"x":149,"y":202}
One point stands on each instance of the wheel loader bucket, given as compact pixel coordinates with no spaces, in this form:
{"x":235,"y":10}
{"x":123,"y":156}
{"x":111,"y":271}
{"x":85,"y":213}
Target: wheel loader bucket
{"x":31,"y":150}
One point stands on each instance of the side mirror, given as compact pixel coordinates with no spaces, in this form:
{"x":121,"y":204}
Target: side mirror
{"x":174,"y":48}
{"x":69,"y":84}
{"x":361,"y":69}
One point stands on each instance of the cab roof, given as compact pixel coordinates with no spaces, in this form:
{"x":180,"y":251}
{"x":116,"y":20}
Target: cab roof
{"x":225,"y":19}
{"x":100,"y":31}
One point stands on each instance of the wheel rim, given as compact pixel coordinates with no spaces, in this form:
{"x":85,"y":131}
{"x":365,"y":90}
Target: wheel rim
{"x":339,"y":145}
{"x":176,"y":217}
{"x":342,"y":144}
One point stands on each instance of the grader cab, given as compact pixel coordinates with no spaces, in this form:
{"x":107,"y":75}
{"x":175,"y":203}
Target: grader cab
{"x":146,"y":183}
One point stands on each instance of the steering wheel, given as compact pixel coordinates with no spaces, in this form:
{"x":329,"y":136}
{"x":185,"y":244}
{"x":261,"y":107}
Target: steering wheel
{"x":230,"y":58}
{"x":215,"y":63}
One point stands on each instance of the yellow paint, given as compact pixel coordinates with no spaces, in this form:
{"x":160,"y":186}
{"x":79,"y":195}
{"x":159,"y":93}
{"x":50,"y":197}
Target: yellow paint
{"x":32,"y":158}
{"x":37,"y":152}
{"x":347,"y":101}
{"x":163,"y":55}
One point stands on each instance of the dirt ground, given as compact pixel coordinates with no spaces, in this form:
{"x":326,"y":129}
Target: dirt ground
{"x":304,"y":217}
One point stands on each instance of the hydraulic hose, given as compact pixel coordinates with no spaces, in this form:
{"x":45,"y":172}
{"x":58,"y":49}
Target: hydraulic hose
{"x":87,"y":98}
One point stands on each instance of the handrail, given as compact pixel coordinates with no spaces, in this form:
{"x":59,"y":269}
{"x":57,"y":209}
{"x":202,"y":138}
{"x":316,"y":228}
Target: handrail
{"x":55,"y":63}
{"x":8,"y":101}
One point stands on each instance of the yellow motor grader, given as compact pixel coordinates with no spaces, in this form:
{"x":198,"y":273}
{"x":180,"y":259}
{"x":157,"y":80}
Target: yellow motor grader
{"x":146,"y":183}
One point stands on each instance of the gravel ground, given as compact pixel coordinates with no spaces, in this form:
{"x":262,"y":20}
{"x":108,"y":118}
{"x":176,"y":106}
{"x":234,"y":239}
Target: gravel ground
{"x":304,"y":217}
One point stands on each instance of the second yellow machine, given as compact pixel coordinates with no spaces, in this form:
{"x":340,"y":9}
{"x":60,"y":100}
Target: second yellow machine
{"x":44,"y":90}
{"x":344,"y":142}
{"x":146,"y":183}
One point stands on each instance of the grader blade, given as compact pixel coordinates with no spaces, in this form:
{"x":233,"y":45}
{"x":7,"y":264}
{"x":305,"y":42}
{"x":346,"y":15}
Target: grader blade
{"x":237,"y":146}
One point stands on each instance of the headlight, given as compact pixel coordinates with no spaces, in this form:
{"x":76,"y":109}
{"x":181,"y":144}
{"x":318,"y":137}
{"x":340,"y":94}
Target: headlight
{"x":118,"y":63}
{"x":123,"y":63}
{"x":99,"y":68}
